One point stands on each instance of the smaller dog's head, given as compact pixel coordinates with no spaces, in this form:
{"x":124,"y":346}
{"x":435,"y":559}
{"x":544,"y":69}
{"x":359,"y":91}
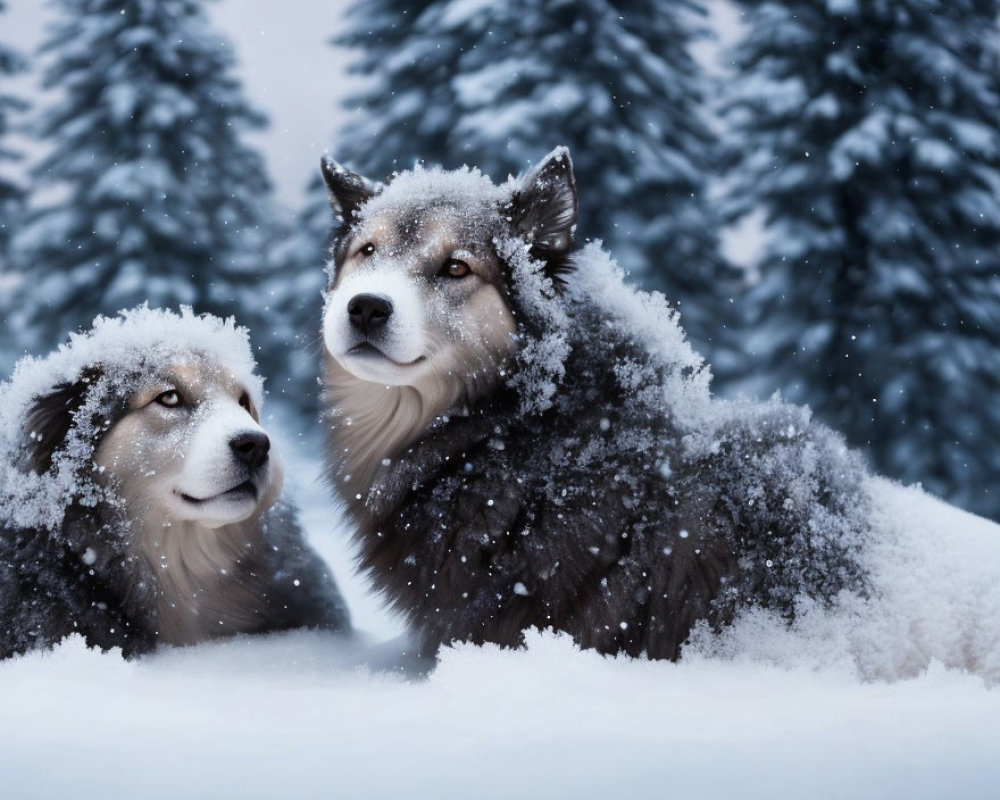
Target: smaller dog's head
{"x":421,"y":282}
{"x":174,"y":434}
{"x":189,"y":445}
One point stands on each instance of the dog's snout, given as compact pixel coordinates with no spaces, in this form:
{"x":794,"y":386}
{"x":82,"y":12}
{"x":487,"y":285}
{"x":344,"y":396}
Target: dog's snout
{"x":251,"y":448}
{"x":368,"y":312}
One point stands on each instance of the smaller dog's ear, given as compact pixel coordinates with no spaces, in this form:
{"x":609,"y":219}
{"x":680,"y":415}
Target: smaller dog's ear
{"x":51,"y":416}
{"x":546,"y":204}
{"x":347,"y":190}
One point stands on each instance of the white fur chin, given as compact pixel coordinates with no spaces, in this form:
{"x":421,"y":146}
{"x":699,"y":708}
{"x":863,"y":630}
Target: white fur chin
{"x":217,"y":511}
{"x":379,"y":369}
{"x":214,"y":506}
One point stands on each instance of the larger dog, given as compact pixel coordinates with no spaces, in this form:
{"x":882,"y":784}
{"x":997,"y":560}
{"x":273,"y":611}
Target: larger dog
{"x":523,"y":441}
{"x":138,"y":495}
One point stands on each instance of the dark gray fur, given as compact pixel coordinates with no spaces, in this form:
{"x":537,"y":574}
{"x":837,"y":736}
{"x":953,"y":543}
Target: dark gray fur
{"x":496,"y":520}
{"x":48,"y":592}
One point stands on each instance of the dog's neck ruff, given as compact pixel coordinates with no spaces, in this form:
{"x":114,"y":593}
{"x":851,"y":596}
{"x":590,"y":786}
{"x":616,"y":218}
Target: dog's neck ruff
{"x":205,"y":586}
{"x":373,"y":422}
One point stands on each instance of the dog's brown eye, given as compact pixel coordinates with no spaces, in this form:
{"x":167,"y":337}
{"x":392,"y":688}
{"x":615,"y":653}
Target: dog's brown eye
{"x":245,"y":403}
{"x":366,"y":249}
{"x":170,"y":399}
{"x":454,"y":268}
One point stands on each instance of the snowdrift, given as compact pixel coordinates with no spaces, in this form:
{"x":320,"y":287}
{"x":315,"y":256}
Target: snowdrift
{"x":936,"y":599}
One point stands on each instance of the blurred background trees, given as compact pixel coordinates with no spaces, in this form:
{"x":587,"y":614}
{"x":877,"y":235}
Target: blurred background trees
{"x":147,"y":192}
{"x":869,"y":135}
{"x":11,"y":190}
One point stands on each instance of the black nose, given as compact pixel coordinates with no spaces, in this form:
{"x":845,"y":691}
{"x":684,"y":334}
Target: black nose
{"x":251,"y":448}
{"x":368,"y":312}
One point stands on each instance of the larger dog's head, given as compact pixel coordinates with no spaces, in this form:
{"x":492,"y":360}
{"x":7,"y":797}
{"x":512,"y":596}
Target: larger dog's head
{"x":420,"y":292}
{"x":169,"y":426}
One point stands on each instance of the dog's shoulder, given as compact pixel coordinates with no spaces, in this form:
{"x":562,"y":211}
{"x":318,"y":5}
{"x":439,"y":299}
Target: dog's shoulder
{"x":601,"y":508}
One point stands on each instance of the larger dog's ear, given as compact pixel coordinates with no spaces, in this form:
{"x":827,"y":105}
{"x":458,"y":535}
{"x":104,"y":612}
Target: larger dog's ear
{"x":347,"y":190}
{"x":545,"y":210}
{"x":546,"y":203}
{"x":51,"y":416}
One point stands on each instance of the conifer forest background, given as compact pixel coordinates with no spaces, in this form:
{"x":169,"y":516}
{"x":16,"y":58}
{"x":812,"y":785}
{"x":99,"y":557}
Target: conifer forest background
{"x":815,"y":184}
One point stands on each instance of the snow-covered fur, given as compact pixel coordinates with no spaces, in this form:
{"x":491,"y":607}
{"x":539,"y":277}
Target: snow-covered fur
{"x":524,"y":441}
{"x":138,"y":501}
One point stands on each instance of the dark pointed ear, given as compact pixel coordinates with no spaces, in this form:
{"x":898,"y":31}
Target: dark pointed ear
{"x":51,"y":416}
{"x":545,"y":203}
{"x":347,"y":190}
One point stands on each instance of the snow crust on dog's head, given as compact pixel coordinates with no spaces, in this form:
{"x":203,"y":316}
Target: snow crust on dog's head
{"x":538,"y":208}
{"x":107,"y":362}
{"x":425,"y":189}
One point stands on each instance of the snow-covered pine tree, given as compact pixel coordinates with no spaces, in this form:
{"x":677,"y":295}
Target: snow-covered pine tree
{"x":149,"y":192}
{"x":11,"y":192}
{"x":497,"y":85}
{"x":868,"y":132}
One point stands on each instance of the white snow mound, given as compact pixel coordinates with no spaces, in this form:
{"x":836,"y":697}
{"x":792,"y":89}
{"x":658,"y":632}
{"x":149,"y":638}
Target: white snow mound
{"x":302,"y":715}
{"x":935,"y":573}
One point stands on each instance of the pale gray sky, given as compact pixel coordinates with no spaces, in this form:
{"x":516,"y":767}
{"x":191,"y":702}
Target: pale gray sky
{"x":291,"y":71}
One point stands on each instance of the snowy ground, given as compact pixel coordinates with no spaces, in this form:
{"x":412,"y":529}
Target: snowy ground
{"x":305,"y":715}
{"x":294,"y":716}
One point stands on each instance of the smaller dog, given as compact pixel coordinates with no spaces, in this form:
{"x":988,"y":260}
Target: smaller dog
{"x":138,"y":503}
